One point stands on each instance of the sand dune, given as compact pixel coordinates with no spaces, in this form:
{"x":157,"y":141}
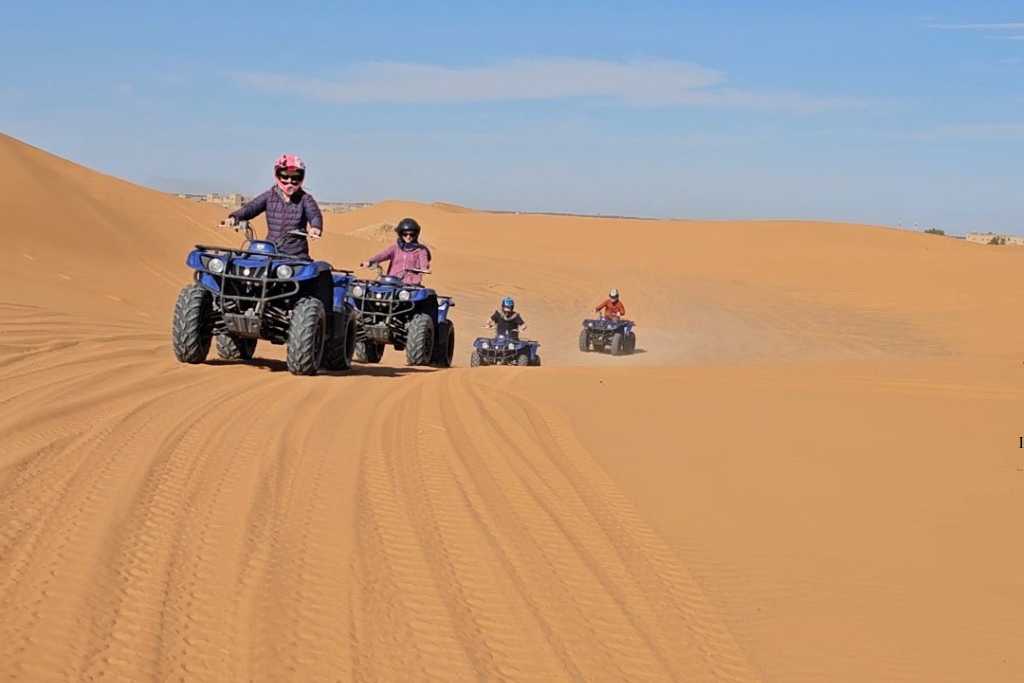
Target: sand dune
{"x":810,"y":473}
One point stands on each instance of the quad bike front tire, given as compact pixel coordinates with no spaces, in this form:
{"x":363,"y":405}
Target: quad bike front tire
{"x":444,"y":347}
{"x":233,"y":347}
{"x":339,"y":348}
{"x":584,"y":341}
{"x":475,"y":360}
{"x":192,"y":329}
{"x":616,"y":344}
{"x":536,"y":361}
{"x":523,"y":359}
{"x":366,"y":351}
{"x":419,"y":343}
{"x":631,"y":343}
{"x":306,"y":336}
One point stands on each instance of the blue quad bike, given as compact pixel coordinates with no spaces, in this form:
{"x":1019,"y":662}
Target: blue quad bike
{"x":242,"y":295}
{"x":608,"y":335}
{"x":411,"y":318}
{"x":504,"y":351}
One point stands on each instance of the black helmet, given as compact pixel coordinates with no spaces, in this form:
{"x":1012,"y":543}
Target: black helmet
{"x":407,"y":224}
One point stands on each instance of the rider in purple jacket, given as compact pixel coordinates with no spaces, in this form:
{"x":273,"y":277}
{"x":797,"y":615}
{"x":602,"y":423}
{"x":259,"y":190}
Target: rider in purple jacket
{"x":288,"y":207}
{"x":408,"y":253}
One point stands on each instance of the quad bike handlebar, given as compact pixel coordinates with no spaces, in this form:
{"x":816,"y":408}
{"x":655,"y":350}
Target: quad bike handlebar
{"x":372,"y":266}
{"x":239,"y":226}
{"x":250,"y":234}
{"x":380,"y":270}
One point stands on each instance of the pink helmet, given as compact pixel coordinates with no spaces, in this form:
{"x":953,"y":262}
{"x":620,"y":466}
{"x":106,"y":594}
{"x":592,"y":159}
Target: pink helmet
{"x":289,"y":172}
{"x":290,"y":162}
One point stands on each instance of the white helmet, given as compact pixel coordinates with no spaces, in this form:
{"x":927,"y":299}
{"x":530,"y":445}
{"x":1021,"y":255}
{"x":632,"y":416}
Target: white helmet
{"x":614,"y":294}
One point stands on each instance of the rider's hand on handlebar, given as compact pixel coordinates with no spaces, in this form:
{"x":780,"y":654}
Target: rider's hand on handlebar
{"x":229,"y":222}
{"x":314,"y":232}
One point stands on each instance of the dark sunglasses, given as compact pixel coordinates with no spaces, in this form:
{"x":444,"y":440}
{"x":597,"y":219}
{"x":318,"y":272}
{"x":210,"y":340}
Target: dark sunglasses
{"x":295,"y":179}
{"x":407,"y":233}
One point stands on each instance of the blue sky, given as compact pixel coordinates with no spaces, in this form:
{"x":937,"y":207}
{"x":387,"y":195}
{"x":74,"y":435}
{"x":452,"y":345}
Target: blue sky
{"x":905,"y":113}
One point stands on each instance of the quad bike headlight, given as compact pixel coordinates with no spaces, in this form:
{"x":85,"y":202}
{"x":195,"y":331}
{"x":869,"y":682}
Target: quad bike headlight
{"x":485,"y":345}
{"x":284,"y":271}
{"x":358,"y":290}
{"x":404,"y":295}
{"x":511,"y":347}
{"x":215,"y":265}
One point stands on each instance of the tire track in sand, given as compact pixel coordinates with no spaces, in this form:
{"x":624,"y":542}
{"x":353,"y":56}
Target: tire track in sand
{"x":144,"y":605}
{"x":400,"y":623}
{"x":683,"y":617}
{"x":46,"y":591}
{"x":480,"y":557}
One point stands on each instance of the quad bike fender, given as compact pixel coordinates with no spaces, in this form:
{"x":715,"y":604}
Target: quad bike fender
{"x":208,"y":281}
{"x":444,"y":304}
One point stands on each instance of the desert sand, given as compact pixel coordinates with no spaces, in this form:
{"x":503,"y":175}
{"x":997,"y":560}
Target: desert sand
{"x":810,"y":472}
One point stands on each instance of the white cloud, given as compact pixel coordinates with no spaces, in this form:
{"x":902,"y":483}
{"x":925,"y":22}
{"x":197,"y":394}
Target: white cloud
{"x":641,"y":82}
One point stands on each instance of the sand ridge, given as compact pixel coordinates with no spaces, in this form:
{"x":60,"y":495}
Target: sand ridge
{"x":809,"y":473}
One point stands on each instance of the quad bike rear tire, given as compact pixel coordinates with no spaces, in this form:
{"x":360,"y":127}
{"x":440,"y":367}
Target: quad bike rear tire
{"x":536,"y":361}
{"x":307,"y":334}
{"x":475,"y":360}
{"x":192,"y":329}
{"x":339,"y":348}
{"x":616,"y":344}
{"x":232,"y":347}
{"x":584,"y":341}
{"x":419,"y":343}
{"x":366,"y":351}
{"x":444,"y":348}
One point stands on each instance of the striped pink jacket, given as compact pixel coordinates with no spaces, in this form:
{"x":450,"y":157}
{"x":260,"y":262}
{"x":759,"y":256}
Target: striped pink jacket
{"x":401,"y":261}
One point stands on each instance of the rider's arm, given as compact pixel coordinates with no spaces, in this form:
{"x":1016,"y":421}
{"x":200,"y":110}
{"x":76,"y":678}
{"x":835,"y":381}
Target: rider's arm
{"x":602,"y":306}
{"x":253,"y":208}
{"x":385,"y":255}
{"x":313,"y":215}
{"x":622,"y":308}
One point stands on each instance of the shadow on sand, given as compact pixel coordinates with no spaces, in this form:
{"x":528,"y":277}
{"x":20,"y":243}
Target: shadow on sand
{"x":275,"y":365}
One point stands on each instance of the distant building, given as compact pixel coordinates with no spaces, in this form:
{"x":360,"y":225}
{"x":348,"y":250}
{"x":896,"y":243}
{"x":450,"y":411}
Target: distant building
{"x":342,"y":207}
{"x":988,"y":237}
{"x":232,"y":200}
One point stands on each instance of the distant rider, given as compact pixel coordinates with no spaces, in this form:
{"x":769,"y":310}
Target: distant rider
{"x":406,"y":256}
{"x":288,"y":207}
{"x":611,"y":308}
{"x":507,"y":321}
